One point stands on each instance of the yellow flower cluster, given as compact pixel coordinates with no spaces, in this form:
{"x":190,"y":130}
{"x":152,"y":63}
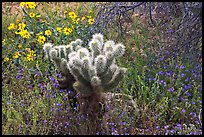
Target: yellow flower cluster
{"x":22,"y":31}
{"x":30,"y":55}
{"x":30,"y":5}
{"x":67,"y":31}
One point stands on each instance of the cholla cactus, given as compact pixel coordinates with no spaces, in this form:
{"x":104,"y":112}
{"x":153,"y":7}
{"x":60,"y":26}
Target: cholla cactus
{"x":94,"y":70}
{"x":96,"y":67}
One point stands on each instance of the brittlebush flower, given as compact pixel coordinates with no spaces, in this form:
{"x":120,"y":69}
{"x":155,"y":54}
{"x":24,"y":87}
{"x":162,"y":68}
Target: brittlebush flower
{"x":30,"y":5}
{"x":28,"y":57}
{"x":11,"y":26}
{"x":25,"y":34}
{"x":59,"y":29}
{"x":48,"y":33}
{"x":22,"y":4}
{"x":4,"y":41}
{"x":16,"y":55}
{"x":21,"y":26}
{"x":41,"y":39}
{"x":17,"y":20}
{"x":32,"y":14}
{"x":90,"y":21}
{"x":6,"y":59}
{"x":32,"y":52}
{"x":67,"y":31}
{"x":76,"y":20}
{"x":40,"y":33}
{"x":72,"y":15}
{"x":83,"y":18}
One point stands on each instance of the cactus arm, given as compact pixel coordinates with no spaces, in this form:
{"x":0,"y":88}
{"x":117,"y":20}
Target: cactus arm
{"x":119,"y":74}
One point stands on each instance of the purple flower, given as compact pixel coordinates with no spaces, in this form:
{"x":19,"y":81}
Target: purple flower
{"x":118,"y":89}
{"x":123,"y":123}
{"x":30,"y":86}
{"x":20,"y":76}
{"x":171,"y":89}
{"x":160,"y":72}
{"x":51,"y":78}
{"x":183,"y":110}
{"x":55,"y":85}
{"x":193,"y":103}
{"x":158,"y":127}
{"x":188,"y":94}
{"x":58,"y":75}
{"x":168,"y":73}
{"x":182,"y":67}
{"x":178,"y":126}
{"x":61,"y":90}
{"x":186,"y":79}
{"x":182,"y":75}
{"x":171,"y":30}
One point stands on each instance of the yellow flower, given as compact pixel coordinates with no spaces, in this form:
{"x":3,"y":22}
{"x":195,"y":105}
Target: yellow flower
{"x":44,"y":21}
{"x":25,"y":34}
{"x":31,"y":5}
{"x":48,"y":33}
{"x":40,"y":33}
{"x":89,"y":17}
{"x":67,"y":31}
{"x":17,"y":20}
{"x":21,"y":26}
{"x":41,"y":39}
{"x":72,"y":15}
{"x":32,"y":14}
{"x":83,"y":18}
{"x":16,"y":55}
{"x":11,"y":26}
{"x":76,"y":20}
{"x":90,"y":21}
{"x":4,"y":41}
{"x":59,"y":29}
{"x":27,"y":49}
{"x":90,"y":11}
{"x":22,"y":4}
{"x":29,"y":57}
{"x":65,"y":12}
{"x":6,"y":59}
